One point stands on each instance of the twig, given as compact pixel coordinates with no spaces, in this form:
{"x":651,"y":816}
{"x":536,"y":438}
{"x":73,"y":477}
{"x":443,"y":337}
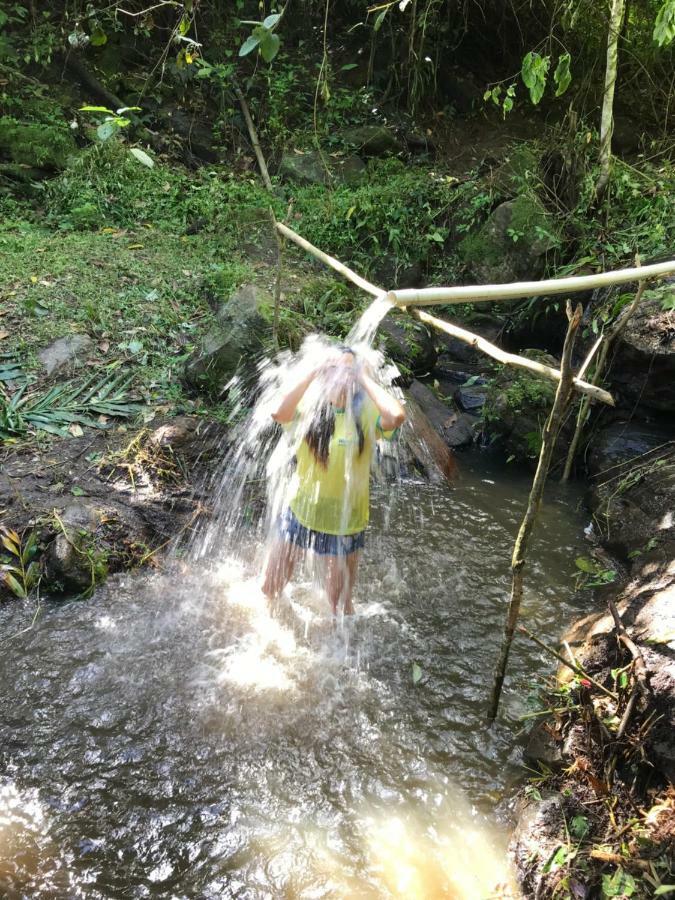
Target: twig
{"x":640,"y":668}
{"x":549,"y":437}
{"x":253,"y":134}
{"x":619,"y":860}
{"x":575,"y":667}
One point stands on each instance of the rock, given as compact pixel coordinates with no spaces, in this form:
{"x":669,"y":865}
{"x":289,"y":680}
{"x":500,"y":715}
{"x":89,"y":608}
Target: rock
{"x":512,"y":244}
{"x":517,"y":406}
{"x":73,"y":564}
{"x":457,"y":430}
{"x":453,"y":350}
{"x":422,"y":448}
{"x":647,"y":609}
{"x":543,"y":746}
{"x":419,"y":143}
{"x":371,"y":140}
{"x":471,"y":398}
{"x":64,"y":351}
{"x":35,"y":144}
{"x":349,"y":170}
{"x":644,"y":367}
{"x":303,"y":168}
{"x":633,"y":500}
{"x":408,"y":343}
{"x":236,"y":341}
{"x":510,"y":177}
{"x":540,"y":828}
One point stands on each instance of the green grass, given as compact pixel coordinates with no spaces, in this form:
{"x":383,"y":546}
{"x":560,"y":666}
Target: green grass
{"x":143,"y":296}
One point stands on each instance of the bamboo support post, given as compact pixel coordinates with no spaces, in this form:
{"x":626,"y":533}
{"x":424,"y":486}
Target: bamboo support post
{"x":511,"y":359}
{"x":490,"y":292}
{"x":253,"y":134}
{"x":549,"y":437}
{"x":605,"y":346}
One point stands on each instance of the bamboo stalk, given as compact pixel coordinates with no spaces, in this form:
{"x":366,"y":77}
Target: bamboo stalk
{"x":489,"y":292}
{"x":253,"y":134}
{"x":584,"y":406}
{"x":549,"y":437}
{"x":511,"y":359}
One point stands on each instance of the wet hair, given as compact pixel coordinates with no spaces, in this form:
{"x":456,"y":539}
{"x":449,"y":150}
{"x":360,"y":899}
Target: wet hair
{"x":322,"y":428}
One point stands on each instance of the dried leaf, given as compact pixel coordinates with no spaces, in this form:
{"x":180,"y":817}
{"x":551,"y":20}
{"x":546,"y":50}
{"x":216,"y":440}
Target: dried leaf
{"x":75,"y":430}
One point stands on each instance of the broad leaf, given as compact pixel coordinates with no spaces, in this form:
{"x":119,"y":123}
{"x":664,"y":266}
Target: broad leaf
{"x":249,"y":44}
{"x":379,"y":20}
{"x":271,"y":21}
{"x":584,"y":564}
{"x":142,"y":157}
{"x":620,"y":884}
{"x":269,"y":46}
{"x":98,"y":37}
{"x":562,"y":75}
{"x":664,"y":28}
{"x":535,"y":74}
{"x":416,"y":673}
{"x":101,"y":109}
{"x":106,"y":131}
{"x":14,"y":586}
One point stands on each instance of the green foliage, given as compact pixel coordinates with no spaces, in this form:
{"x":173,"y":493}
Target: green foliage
{"x":593,"y":574}
{"x":35,"y":144}
{"x":534,"y":73}
{"x":664,"y":27}
{"x":618,"y":884}
{"x":263,"y":38}
{"x":19,"y":571}
{"x":321,"y":304}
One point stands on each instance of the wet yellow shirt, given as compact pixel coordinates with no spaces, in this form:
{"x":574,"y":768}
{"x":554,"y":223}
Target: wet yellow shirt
{"x":335,"y":499}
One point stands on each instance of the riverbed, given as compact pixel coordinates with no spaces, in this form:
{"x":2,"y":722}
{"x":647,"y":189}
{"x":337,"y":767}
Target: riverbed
{"x":170,"y":737}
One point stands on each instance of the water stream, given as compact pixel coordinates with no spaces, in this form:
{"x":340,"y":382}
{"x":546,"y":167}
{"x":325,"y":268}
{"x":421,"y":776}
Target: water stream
{"x":172,"y":738}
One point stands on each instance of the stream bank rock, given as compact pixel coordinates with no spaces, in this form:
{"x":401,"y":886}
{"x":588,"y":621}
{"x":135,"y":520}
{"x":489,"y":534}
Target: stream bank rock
{"x":236,"y":341}
{"x":644,"y":368}
{"x":371,"y":140}
{"x":539,"y":831}
{"x":312,"y":167}
{"x":512,"y":244}
{"x":408,"y":343}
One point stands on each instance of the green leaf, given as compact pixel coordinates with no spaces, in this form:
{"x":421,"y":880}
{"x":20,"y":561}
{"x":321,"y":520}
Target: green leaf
{"x":557,"y":859}
{"x":620,"y":883}
{"x":269,"y":46}
{"x":664,"y":27}
{"x":379,"y":20}
{"x":562,"y":75}
{"x":134,"y":346}
{"x":29,"y":549}
{"x":534,"y":73}
{"x":271,"y":21}
{"x":100,"y":109}
{"x":106,"y":131}
{"x":184,"y":25}
{"x":98,"y":37}
{"x":77,"y":491}
{"x":249,"y":44}
{"x":584,"y":564}
{"x":14,"y":586}
{"x":416,"y":673}
{"x":348,"y":67}
{"x":664,"y":889}
{"x":579,"y":827}
{"x":142,"y":157}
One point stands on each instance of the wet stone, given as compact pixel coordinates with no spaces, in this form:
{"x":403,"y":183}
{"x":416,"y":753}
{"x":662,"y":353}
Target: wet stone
{"x":64,"y":351}
{"x":472,"y":398}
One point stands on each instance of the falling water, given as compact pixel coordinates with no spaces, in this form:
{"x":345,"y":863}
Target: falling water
{"x":174,"y":737}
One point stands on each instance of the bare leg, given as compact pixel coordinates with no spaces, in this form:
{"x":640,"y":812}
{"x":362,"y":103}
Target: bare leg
{"x":280,"y":566}
{"x":340,"y":575}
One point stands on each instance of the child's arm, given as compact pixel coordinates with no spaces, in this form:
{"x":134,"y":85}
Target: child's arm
{"x":392,"y":414}
{"x":285,"y":411}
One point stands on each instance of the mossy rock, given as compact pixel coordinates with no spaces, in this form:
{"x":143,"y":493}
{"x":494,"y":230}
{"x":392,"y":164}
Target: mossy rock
{"x":512,"y":244}
{"x":408,"y":343}
{"x":36,"y":145}
{"x":512,"y":175}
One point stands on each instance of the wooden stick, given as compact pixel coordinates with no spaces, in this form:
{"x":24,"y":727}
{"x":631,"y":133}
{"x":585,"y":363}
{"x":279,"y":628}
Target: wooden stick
{"x":253,"y":134}
{"x":584,"y":406}
{"x":549,"y":437}
{"x":490,"y":292}
{"x":569,"y":663}
{"x":511,"y":359}
{"x":639,"y":661}
{"x":330,"y":261}
{"x":589,"y":359}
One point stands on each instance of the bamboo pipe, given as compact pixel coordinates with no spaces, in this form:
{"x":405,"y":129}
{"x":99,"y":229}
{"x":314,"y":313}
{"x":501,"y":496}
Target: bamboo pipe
{"x":510,"y":359}
{"x":477,"y":293}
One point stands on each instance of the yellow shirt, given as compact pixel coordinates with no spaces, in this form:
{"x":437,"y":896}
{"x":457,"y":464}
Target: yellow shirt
{"x":335,"y":498}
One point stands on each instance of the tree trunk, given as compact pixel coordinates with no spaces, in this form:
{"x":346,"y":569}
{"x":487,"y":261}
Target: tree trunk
{"x":607,"y":121}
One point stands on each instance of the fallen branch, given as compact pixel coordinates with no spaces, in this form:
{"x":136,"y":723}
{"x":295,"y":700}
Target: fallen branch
{"x":572,"y":665}
{"x":639,"y":666}
{"x":510,"y":359}
{"x":253,"y":134}
{"x":490,"y":292}
{"x":618,"y":860}
{"x":549,"y":437}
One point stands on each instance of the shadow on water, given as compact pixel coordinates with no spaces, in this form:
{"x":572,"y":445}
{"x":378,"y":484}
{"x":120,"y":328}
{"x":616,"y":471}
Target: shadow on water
{"x":172,"y":737}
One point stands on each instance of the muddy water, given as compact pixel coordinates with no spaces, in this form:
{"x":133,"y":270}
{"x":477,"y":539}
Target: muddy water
{"x":169,"y":738}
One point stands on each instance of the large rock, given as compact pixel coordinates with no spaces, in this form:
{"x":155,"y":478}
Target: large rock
{"x":73,"y":563}
{"x":311,"y":167}
{"x":371,"y":140}
{"x":408,"y":343}
{"x":65,"y":351}
{"x":457,"y":429}
{"x":644,"y":367}
{"x":512,"y":244}
{"x":632,"y":496}
{"x":235,"y":342}
{"x":36,"y":145}
{"x":539,"y":830}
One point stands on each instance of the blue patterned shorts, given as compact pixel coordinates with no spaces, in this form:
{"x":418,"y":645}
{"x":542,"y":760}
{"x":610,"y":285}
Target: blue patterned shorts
{"x":290,"y":529}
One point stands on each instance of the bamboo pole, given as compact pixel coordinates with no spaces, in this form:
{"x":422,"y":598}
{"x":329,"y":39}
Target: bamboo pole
{"x":253,"y":134}
{"x":511,"y":359}
{"x":549,"y":437}
{"x":489,"y":292}
{"x":584,"y":406}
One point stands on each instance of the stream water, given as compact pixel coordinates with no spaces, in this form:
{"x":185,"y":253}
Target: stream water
{"x":172,"y":738}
